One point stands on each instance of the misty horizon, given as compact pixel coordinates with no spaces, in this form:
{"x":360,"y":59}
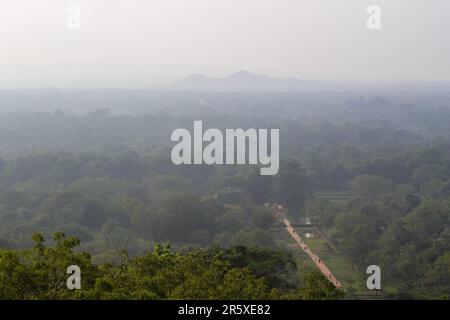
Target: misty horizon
{"x":243,"y":151}
{"x":157,"y":43}
{"x":242,"y":78}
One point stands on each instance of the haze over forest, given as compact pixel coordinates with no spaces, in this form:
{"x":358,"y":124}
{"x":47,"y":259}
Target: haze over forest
{"x":87,"y":179}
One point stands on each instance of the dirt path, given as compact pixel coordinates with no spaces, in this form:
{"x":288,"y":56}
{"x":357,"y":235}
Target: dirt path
{"x":314,"y":257}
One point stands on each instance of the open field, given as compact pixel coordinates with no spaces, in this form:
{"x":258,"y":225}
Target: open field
{"x":349,"y":276}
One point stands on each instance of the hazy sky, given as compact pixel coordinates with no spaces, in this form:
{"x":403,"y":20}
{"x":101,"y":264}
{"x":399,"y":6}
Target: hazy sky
{"x":147,"y":42}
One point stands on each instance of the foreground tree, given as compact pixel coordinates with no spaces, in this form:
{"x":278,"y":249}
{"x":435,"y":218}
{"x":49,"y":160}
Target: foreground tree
{"x":41,"y":273}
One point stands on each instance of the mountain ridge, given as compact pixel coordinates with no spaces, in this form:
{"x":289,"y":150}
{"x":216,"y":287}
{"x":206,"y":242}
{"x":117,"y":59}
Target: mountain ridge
{"x":243,"y":80}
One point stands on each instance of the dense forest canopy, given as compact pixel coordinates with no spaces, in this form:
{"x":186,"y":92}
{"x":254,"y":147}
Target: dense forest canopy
{"x":84,"y":167}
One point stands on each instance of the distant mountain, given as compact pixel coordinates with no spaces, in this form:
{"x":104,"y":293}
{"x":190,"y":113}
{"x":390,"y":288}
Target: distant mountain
{"x":244,"y":81}
{"x":249,"y":82}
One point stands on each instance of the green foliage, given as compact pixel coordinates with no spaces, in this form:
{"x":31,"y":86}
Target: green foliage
{"x":371,"y":186}
{"x":316,"y":287}
{"x":291,"y":187}
{"x":40,"y":273}
{"x":108,"y":180}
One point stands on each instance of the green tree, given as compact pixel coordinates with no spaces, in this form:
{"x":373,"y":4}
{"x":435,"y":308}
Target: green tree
{"x":371,"y":186}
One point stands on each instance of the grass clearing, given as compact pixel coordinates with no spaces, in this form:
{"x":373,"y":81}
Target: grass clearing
{"x":336,"y":196}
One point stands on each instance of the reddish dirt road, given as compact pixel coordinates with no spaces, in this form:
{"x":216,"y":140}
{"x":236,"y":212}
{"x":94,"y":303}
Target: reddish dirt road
{"x":314,"y":257}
